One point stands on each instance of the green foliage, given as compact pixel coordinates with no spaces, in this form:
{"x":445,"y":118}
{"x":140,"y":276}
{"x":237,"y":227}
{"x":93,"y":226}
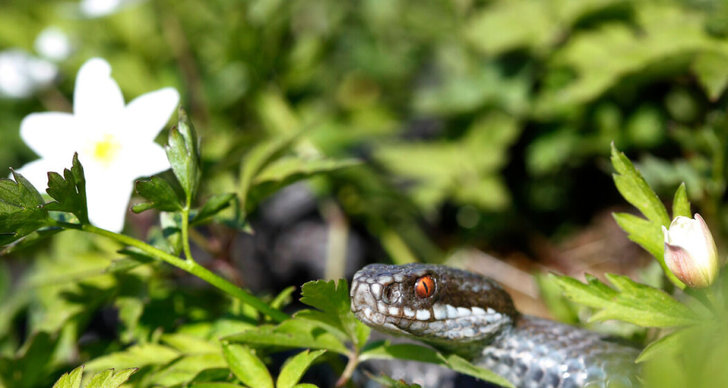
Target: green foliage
{"x":247,"y":366}
{"x":106,"y":379}
{"x":184,"y":157}
{"x":471,"y":134}
{"x":21,"y":209}
{"x":295,"y":367}
{"x":647,"y":232}
{"x":629,"y":301}
{"x":333,"y":304}
{"x":160,"y":194}
{"x":69,"y":191}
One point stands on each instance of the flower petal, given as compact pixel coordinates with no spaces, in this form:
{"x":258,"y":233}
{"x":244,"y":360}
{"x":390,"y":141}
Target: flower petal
{"x":50,"y":133}
{"x":144,"y":159}
{"x":37,"y":173}
{"x":148,"y":113}
{"x":97,"y":98}
{"x":108,"y":202}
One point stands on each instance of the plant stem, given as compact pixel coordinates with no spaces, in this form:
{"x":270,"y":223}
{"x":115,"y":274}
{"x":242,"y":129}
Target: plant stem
{"x":348,"y":369}
{"x":186,"y":231}
{"x":189,"y":266}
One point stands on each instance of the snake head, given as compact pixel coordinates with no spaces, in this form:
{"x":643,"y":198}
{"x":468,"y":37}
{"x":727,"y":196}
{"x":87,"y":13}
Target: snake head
{"x":437,"y":304}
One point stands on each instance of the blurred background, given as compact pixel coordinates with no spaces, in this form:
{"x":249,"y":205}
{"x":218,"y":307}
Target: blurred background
{"x":483,"y":128}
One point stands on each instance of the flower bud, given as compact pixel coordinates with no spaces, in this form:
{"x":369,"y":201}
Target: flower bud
{"x":690,"y":251}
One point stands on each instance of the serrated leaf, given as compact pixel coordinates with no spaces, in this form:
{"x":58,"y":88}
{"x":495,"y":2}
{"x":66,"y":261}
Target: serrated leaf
{"x":295,"y":367}
{"x":420,"y":353}
{"x":644,"y":232}
{"x":71,"y":379}
{"x":159,"y":193}
{"x":69,"y":191}
{"x":292,"y":333}
{"x":21,"y":209}
{"x":214,"y":205}
{"x":183,"y":153}
{"x":680,"y":203}
{"x":649,"y":236}
{"x":246,"y":366}
{"x":215,"y":385}
{"x":333,"y":301}
{"x":635,"y":190}
{"x":630,"y":302}
{"x":110,"y":379}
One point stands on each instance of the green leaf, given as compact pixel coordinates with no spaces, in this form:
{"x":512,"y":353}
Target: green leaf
{"x":126,"y":264}
{"x":21,"y":209}
{"x":136,"y":356}
{"x":69,"y":191}
{"x":680,"y":203}
{"x":283,"y":298}
{"x":159,"y":193}
{"x":187,"y":343}
{"x":185,"y":369}
{"x":295,"y":367}
{"x":645,"y":233}
{"x":214,"y":205}
{"x":672,"y":343}
{"x":384,"y":350}
{"x":215,"y":385}
{"x":712,"y":73}
{"x":183,"y":154}
{"x":292,"y":333}
{"x":387,"y":381}
{"x":246,"y":366}
{"x":635,"y":190}
{"x":259,"y":157}
{"x":32,"y":362}
{"x":110,"y":379}
{"x":333,"y":301}
{"x":630,"y":302}
{"x":70,"y":379}
{"x":291,"y":168}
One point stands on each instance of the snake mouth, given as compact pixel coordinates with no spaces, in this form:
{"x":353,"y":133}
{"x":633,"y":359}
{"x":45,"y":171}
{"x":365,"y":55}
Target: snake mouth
{"x":387,"y":298}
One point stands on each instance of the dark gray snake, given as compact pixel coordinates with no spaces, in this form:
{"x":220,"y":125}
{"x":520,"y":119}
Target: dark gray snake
{"x":471,"y":315}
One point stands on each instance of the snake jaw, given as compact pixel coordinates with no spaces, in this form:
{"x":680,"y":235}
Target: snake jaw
{"x":385,"y":298}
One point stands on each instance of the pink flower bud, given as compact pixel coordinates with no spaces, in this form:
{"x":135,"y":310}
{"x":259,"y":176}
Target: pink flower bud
{"x":690,"y":251}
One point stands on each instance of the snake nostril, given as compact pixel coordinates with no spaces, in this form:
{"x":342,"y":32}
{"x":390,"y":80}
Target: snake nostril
{"x":391,"y":293}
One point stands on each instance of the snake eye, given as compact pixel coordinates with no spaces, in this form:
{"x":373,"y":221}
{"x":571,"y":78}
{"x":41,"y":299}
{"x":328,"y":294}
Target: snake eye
{"x":424,"y":287}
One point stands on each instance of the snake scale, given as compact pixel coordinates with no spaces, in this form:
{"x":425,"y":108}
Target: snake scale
{"x":472,"y":316}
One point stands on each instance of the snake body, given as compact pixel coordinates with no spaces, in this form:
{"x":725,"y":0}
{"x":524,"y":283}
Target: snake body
{"x":472,"y":316}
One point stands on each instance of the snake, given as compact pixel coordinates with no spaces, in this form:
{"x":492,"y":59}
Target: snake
{"x":470,"y":315}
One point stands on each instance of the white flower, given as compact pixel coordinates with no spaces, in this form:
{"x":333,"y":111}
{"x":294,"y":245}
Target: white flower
{"x":98,"y":8}
{"x":53,"y":44}
{"x":115,"y":143}
{"x":690,"y":251}
{"x":21,"y":73}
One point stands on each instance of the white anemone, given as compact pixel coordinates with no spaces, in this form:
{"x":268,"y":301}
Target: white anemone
{"x":115,"y":143}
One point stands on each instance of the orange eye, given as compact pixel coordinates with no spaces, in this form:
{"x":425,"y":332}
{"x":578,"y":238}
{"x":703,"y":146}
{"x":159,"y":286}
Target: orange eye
{"x":424,"y":286}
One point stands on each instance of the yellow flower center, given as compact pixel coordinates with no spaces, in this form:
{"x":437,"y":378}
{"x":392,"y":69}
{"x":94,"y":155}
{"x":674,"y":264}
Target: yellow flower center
{"x":106,"y":149}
